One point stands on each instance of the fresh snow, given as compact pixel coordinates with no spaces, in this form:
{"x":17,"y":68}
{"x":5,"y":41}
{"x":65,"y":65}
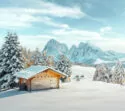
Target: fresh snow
{"x":33,"y":70}
{"x":100,"y":61}
{"x":84,"y":95}
{"x":88,"y":72}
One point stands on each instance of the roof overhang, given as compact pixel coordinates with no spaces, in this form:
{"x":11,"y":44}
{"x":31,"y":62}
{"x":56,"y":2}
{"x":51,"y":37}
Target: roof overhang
{"x":27,"y":73}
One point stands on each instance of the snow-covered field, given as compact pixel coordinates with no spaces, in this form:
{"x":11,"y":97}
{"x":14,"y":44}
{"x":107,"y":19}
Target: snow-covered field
{"x":84,"y":95}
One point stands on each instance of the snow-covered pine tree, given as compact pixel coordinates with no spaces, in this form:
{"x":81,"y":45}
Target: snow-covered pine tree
{"x":50,"y":61}
{"x":102,"y":73}
{"x":44,"y":59}
{"x":1,"y":70}
{"x":118,"y":74}
{"x":27,"y":55}
{"x":37,"y":57}
{"x":11,"y":59}
{"x":64,"y":65}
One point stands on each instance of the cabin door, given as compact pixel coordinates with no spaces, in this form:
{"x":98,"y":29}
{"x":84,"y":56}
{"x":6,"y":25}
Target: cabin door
{"x":23,"y":85}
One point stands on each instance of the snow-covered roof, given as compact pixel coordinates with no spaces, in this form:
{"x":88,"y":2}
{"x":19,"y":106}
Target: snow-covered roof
{"x":33,"y":70}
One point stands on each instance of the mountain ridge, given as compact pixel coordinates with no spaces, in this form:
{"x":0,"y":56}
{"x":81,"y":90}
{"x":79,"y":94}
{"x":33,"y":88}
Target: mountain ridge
{"x":83,"y":53}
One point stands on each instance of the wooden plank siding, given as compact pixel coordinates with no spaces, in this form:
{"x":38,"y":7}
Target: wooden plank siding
{"x":44,"y":80}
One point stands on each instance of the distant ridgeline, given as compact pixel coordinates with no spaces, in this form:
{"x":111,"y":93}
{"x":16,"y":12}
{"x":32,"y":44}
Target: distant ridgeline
{"x":85,"y":53}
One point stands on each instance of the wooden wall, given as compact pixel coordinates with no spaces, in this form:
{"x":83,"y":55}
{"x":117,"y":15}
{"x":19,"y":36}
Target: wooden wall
{"x":45,"y":80}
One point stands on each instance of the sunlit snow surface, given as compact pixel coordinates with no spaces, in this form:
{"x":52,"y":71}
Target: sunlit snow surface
{"x":84,"y":95}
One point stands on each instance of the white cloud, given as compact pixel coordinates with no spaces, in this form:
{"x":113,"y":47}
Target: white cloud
{"x":79,"y":34}
{"x":41,"y":11}
{"x":73,"y":36}
{"x":33,"y":41}
{"x":49,"y":21}
{"x":50,"y":8}
{"x":61,"y":11}
{"x":115,"y":44}
{"x":23,"y":17}
{"x":76,"y":36}
{"x":16,"y":17}
{"x":68,"y":36}
{"x":106,"y":29}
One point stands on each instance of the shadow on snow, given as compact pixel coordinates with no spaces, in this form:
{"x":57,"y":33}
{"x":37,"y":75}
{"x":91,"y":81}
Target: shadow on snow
{"x":15,"y":92}
{"x":12,"y":92}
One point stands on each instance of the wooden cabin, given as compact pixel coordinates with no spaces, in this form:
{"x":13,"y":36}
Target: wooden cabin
{"x":39,"y":77}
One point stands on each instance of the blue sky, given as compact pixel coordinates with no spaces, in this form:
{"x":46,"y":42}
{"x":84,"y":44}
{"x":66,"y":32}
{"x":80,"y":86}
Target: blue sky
{"x":69,"y":21}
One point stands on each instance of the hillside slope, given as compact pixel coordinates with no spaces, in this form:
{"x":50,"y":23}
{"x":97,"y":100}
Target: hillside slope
{"x":74,"y":96}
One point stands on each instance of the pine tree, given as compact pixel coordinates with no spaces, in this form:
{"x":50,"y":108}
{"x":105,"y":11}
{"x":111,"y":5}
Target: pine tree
{"x":27,"y":55}
{"x":37,"y":57}
{"x":102,"y":73}
{"x":44,"y":59}
{"x":50,"y":61}
{"x":118,"y":74}
{"x":12,"y":60}
{"x":64,"y":65}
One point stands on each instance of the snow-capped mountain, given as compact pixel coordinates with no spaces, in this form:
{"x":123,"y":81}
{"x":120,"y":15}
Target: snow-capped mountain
{"x":83,"y":53}
{"x":54,"y":48}
{"x":88,"y":53}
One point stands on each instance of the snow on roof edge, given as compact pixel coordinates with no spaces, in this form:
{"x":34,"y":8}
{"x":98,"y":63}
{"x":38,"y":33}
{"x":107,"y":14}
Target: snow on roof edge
{"x":57,"y":71}
{"x":29,"y":73}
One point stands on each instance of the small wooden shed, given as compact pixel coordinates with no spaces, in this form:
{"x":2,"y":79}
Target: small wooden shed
{"x":39,"y":77}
